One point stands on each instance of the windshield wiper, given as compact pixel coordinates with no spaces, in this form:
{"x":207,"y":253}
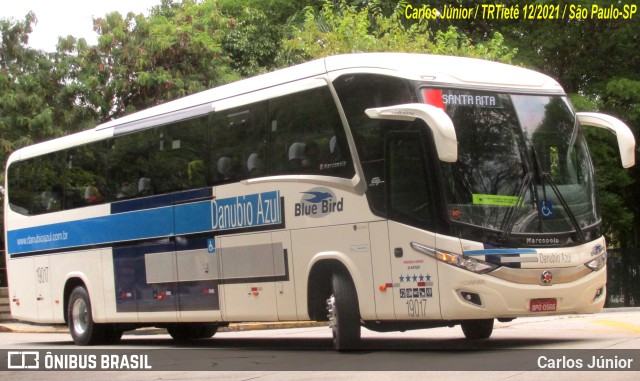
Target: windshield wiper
{"x":509,"y":219}
{"x":563,"y":201}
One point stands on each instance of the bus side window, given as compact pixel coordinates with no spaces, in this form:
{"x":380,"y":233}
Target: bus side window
{"x":132,"y":165}
{"x":47,"y":183}
{"x":21,"y":192}
{"x":307,"y":136}
{"x":408,"y":193}
{"x":180,"y":155}
{"x":85,"y":180}
{"x":238,"y":143}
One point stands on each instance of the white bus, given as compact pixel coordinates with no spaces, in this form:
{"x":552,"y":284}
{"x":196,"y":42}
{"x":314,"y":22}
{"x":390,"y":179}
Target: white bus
{"x":390,"y":191}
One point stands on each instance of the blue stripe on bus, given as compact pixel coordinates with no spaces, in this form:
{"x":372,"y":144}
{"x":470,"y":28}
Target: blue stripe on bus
{"x":499,"y":252}
{"x":253,"y":211}
{"x":92,"y":231}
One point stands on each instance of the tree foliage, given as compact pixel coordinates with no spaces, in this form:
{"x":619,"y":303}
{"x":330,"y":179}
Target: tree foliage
{"x":29,"y":92}
{"x":344,"y":28}
{"x":143,"y":61}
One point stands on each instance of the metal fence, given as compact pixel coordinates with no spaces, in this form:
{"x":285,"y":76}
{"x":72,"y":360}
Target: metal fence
{"x":623,"y":283}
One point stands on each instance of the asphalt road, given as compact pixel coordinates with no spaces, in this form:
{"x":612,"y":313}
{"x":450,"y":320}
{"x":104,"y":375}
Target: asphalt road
{"x":524,"y":349}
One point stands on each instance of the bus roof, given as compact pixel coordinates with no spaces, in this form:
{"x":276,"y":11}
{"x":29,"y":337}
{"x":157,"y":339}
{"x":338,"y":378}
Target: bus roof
{"x":442,"y":70}
{"x":439,"y":70}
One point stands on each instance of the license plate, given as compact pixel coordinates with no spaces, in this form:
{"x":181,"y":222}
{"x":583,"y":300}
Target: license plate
{"x":543,"y":305}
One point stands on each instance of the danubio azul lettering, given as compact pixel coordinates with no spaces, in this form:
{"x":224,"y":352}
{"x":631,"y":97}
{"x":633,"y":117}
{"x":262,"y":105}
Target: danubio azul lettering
{"x":246,"y":211}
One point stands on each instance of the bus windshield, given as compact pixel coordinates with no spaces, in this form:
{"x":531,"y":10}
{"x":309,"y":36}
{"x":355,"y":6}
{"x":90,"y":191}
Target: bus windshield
{"x":523,"y":164}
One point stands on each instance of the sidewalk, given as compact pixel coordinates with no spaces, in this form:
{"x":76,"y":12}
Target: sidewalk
{"x":23,"y":327}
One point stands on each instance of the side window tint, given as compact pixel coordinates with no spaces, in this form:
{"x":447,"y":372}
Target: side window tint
{"x":180,"y":156}
{"x":85,"y":180}
{"x":358,"y":92}
{"x":408,"y":191}
{"x":132,"y":165}
{"x":21,"y":192}
{"x":307,"y":136}
{"x":239,"y":143}
{"x":48,"y":183}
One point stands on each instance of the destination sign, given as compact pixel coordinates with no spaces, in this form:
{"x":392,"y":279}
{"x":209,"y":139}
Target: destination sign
{"x":472,"y":99}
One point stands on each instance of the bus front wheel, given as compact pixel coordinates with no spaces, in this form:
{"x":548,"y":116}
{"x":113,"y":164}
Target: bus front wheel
{"x":477,"y":329}
{"x":81,"y":325}
{"x":344,"y":314}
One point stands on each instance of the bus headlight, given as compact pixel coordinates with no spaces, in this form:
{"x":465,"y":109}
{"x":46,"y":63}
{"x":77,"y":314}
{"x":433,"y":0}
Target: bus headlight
{"x":597,"y":263}
{"x":458,"y":260}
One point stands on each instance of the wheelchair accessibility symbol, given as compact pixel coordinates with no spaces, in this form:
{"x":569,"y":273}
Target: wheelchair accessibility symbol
{"x":211,"y":245}
{"x":546,"y":208}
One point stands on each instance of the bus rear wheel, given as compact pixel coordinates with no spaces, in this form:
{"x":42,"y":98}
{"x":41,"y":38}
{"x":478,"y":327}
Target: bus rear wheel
{"x":344,"y":314}
{"x":185,"y":332}
{"x":477,"y":329}
{"x":84,"y":330}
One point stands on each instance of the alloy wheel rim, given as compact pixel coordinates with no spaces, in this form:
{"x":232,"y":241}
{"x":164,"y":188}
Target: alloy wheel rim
{"x":80,"y":317}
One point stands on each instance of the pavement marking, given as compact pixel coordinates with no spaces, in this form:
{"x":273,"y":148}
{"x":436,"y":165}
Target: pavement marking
{"x":621,"y":326}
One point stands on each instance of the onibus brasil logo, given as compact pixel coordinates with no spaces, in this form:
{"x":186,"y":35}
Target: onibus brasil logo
{"x":318,"y":202}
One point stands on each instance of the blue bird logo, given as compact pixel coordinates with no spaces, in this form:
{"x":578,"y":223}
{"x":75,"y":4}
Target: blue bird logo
{"x":318,"y":197}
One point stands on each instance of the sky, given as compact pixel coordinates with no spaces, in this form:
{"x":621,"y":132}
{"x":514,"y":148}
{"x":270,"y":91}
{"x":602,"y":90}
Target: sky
{"x":67,"y":17}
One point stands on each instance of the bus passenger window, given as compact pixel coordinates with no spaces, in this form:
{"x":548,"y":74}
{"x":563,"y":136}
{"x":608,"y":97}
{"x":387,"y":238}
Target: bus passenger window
{"x":408,"y":191}
{"x":86,"y":169}
{"x":132,"y":165}
{"x":47,"y":183}
{"x":22,"y":196}
{"x":180,"y":155}
{"x":238,"y":143}
{"x":307,"y":136}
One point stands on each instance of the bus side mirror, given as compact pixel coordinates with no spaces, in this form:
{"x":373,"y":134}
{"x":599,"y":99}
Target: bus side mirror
{"x":436,"y":119}
{"x":626,"y":141}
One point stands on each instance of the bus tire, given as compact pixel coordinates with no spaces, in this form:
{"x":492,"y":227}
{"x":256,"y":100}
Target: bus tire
{"x":83,"y":329}
{"x":477,"y":329}
{"x":344,"y":314}
{"x":186,"y":332}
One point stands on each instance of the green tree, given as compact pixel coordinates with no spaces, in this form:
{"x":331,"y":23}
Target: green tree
{"x":344,"y":28}
{"x":143,"y":61}
{"x":252,"y":41}
{"x":29,"y":89}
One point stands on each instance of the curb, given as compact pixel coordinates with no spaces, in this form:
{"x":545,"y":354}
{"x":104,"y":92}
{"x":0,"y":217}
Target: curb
{"x":21,"y":327}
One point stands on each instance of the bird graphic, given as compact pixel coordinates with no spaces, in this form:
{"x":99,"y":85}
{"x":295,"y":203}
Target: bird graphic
{"x":318,"y":197}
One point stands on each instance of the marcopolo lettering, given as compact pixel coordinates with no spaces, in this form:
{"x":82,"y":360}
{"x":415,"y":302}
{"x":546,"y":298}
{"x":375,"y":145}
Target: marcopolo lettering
{"x":258,"y":209}
{"x":543,"y":241}
{"x":318,"y":202}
